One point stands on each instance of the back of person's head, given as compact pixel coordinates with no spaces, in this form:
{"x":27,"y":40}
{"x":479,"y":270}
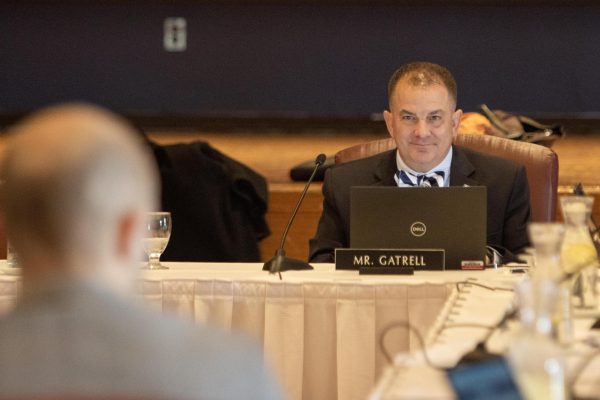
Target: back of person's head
{"x":424,"y":74}
{"x":76,"y":182}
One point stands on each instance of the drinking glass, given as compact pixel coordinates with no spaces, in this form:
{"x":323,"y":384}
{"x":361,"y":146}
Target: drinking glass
{"x":536,"y":359}
{"x":579,"y":258}
{"x":546,"y":239}
{"x":157,"y":231}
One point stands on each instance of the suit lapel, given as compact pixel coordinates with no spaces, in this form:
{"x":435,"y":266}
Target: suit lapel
{"x":461,"y":169}
{"x":386,"y":169}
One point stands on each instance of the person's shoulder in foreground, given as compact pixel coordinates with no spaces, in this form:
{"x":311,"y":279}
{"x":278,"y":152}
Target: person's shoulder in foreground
{"x":75,"y":338}
{"x":76,"y":186}
{"x":423,"y":121}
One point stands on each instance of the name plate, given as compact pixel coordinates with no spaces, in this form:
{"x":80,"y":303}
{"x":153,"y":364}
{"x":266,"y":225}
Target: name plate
{"x":390,"y":261}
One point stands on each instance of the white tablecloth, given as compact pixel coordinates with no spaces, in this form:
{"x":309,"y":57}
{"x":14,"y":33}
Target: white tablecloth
{"x":412,"y":378}
{"x":319,"y":329}
{"x":450,"y":338}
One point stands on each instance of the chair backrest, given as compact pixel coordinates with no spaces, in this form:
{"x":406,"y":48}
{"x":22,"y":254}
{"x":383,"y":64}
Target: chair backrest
{"x":540,"y":162}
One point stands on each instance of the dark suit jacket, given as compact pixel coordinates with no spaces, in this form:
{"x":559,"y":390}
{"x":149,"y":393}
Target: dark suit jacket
{"x":507,"y":197}
{"x":218,"y":205}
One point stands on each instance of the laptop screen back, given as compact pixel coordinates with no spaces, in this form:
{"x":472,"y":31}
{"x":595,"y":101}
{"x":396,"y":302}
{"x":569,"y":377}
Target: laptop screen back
{"x":450,"y":218}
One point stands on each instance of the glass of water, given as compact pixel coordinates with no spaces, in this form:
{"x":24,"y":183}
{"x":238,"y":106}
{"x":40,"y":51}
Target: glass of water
{"x":157,"y":231}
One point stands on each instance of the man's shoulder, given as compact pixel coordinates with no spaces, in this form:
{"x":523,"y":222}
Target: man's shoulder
{"x":363,"y":167}
{"x":197,"y":359}
{"x":85,"y":308}
{"x":362,"y":162}
{"x":484,"y":160}
{"x":212,"y":361}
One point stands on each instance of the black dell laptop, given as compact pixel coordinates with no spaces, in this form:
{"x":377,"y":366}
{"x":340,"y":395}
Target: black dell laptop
{"x":452,"y":219}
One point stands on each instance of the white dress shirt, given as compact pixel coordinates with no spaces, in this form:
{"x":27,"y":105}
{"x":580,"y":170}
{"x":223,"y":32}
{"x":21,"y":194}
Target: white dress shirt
{"x":443,"y":166}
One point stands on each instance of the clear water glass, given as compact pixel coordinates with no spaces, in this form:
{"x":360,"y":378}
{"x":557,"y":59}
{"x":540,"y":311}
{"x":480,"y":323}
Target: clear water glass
{"x":157,"y":231}
{"x":579,"y":258}
{"x":536,"y":359}
{"x":547,"y":239}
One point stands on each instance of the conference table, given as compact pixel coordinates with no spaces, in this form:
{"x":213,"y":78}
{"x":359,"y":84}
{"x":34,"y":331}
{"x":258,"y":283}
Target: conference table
{"x":319,"y":329}
{"x":462,"y":324}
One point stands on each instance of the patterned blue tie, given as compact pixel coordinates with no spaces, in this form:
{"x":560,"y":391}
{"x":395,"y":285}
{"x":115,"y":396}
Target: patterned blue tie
{"x":430,"y":180}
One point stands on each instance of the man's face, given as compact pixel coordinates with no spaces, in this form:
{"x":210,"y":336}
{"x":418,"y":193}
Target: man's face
{"x":423,"y":123}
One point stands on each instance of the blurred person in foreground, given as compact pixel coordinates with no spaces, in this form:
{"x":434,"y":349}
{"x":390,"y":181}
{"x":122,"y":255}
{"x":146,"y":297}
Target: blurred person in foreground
{"x":76,"y":186}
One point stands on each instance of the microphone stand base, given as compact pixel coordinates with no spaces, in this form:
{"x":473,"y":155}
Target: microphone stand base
{"x":281,"y":263}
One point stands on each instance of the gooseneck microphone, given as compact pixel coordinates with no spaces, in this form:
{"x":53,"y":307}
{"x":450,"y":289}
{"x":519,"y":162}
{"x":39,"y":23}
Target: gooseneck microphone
{"x":280,"y":262}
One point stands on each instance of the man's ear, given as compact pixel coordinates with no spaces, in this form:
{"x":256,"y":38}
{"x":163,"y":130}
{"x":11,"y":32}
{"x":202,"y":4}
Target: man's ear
{"x":456,"y":117}
{"x":126,"y":229}
{"x":389,"y":119}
